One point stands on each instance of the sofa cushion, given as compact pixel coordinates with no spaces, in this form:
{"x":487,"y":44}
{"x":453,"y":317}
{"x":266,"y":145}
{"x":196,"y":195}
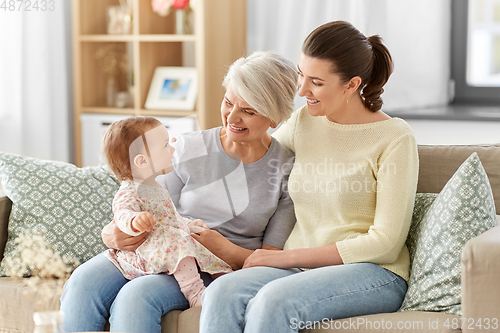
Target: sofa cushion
{"x":439,"y":162}
{"x":440,"y":228}
{"x":71,"y":205}
{"x":402,"y":322}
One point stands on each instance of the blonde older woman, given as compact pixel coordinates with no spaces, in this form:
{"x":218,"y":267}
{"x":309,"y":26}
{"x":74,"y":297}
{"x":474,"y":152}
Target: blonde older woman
{"x":232,"y":177}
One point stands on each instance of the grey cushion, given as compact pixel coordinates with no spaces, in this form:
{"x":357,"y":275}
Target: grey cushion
{"x":441,"y":226}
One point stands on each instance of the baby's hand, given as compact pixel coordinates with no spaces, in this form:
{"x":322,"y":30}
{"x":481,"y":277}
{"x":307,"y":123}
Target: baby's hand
{"x":197,"y":226}
{"x":144,"y":221}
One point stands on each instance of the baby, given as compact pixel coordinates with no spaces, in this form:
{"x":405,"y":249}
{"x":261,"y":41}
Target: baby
{"x":137,"y":150}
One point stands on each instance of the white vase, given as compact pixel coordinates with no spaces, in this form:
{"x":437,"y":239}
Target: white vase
{"x":183,"y":22}
{"x":49,"y":322}
{"x":111,"y":91}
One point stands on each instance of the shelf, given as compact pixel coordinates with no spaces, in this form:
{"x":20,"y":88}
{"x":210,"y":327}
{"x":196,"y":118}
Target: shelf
{"x":126,"y":62}
{"x":140,"y":38}
{"x":166,"y":38}
{"x":107,"y":38}
{"x":131,"y":111}
{"x":110,"y":110}
{"x":451,"y":112}
{"x":172,"y":113}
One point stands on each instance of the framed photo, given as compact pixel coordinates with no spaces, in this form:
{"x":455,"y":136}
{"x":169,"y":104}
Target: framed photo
{"x":173,"y":88}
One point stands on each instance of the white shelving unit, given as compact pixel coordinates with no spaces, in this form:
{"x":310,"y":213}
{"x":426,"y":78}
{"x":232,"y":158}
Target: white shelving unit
{"x":219,"y":38}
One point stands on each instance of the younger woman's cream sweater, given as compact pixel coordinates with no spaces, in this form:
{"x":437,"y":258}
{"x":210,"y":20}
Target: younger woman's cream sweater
{"x":354,"y":186}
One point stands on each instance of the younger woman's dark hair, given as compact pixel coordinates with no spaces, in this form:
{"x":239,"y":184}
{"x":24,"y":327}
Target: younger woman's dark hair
{"x":352,"y":54}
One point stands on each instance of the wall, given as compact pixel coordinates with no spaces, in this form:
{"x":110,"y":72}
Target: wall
{"x":416,"y":32}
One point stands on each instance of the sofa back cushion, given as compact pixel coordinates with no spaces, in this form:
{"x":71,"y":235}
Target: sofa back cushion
{"x":69,"y":205}
{"x":438,"y":163}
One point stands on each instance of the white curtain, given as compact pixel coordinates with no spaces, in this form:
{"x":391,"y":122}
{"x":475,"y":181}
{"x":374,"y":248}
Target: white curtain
{"x":416,"y":32}
{"x":35,"y":82}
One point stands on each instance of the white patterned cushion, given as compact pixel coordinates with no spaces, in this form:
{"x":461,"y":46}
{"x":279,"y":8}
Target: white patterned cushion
{"x":441,"y":226}
{"x":71,"y":204}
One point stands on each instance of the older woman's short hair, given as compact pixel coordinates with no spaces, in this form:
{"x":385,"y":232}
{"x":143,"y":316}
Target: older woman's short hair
{"x":266,"y":81}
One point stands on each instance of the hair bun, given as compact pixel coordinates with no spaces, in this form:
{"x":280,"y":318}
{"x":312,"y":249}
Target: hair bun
{"x":375,"y":39}
{"x":352,"y":54}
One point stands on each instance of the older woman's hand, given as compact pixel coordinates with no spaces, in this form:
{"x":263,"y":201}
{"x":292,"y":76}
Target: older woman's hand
{"x":304,"y":258}
{"x":232,"y":254}
{"x":268,"y":258}
{"x":116,"y":239}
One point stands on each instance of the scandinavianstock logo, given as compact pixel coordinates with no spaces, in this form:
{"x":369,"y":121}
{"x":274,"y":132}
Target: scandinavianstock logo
{"x":329,"y":176}
{"x":222,"y":185}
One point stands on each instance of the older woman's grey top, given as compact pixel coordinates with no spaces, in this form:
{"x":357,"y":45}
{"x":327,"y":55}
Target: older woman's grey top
{"x":247,"y":203}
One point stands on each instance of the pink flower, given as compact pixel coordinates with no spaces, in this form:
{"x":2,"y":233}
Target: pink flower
{"x":162,"y":7}
{"x":181,"y":4}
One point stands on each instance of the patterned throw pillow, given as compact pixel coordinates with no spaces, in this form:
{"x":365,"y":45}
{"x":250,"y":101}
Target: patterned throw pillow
{"x":71,"y":204}
{"x":441,"y":226}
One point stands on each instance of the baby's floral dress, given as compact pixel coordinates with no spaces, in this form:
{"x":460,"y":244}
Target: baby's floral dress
{"x":169,"y":240}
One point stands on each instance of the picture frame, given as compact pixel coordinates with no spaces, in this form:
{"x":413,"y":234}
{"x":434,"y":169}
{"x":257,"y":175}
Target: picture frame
{"x":173,"y":88}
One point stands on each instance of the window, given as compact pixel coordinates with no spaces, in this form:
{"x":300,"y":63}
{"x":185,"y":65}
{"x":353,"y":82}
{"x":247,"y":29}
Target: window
{"x":476,"y":51}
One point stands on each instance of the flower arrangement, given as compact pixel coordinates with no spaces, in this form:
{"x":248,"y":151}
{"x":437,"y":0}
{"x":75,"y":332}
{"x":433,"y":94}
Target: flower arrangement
{"x":46,"y":269}
{"x":114,"y":62}
{"x":163,"y":7}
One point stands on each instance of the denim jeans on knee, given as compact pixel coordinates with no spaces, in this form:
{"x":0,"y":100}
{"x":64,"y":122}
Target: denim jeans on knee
{"x":97,"y":291}
{"x":263,"y":299}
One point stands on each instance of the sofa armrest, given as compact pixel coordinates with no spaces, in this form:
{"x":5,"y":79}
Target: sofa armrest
{"x":481,"y":280}
{"x":5,"y":208}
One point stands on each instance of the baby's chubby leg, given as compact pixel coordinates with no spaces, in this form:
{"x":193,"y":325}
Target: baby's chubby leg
{"x":190,"y":281}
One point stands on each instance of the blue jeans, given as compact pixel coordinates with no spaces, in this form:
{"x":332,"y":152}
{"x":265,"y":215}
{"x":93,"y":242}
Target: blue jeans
{"x":264,"y":299}
{"x":97,"y":291}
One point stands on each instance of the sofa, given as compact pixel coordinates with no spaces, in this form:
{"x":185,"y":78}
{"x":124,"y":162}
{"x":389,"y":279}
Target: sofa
{"x":479,"y":292}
